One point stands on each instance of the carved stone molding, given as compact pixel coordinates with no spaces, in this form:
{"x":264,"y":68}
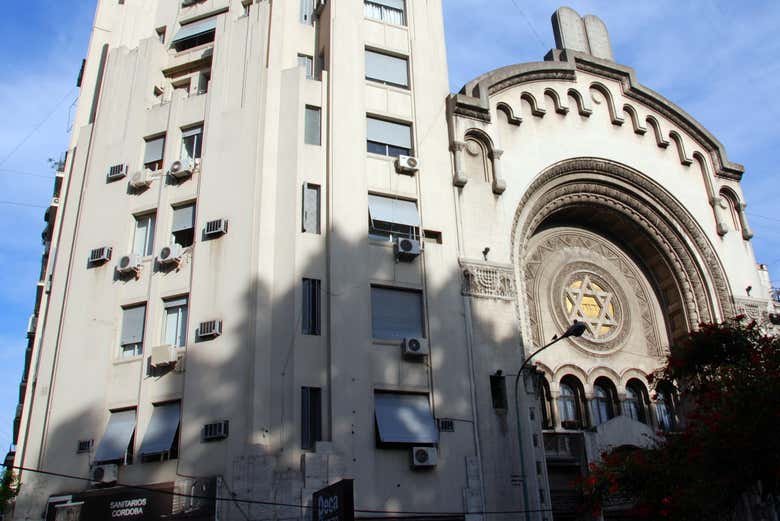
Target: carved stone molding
{"x":486,"y":280}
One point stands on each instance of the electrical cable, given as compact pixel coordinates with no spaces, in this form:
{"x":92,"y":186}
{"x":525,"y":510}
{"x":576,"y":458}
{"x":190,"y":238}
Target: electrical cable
{"x":270,"y":503}
{"x":7,"y":171}
{"x":29,"y":205}
{"x":530,"y":26}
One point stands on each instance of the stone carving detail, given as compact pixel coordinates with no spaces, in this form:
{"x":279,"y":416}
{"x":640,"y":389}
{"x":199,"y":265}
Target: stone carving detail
{"x":481,"y":279}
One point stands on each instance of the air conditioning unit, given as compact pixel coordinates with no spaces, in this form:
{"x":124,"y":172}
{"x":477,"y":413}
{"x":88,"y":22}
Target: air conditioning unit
{"x":164,"y":355}
{"x":415,"y":347}
{"x":170,"y":255}
{"x":31,"y":324}
{"x":116,"y":172}
{"x":210,"y":329}
{"x":104,"y":474}
{"x":215,"y":228}
{"x":406,"y":250}
{"x":141,"y":179}
{"x":181,"y":169}
{"x":188,"y":3}
{"x":129,"y":263}
{"x":424,"y":457}
{"x":100,"y":255}
{"x":215,"y":431}
{"x":407,"y":165}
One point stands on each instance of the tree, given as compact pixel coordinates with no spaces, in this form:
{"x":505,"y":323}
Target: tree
{"x":9,"y":488}
{"x":728,"y":379}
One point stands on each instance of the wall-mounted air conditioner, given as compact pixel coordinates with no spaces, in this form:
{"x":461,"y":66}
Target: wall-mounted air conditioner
{"x":164,"y":355}
{"x":210,"y":329}
{"x":415,"y":347}
{"x":141,"y":179}
{"x":424,"y":457}
{"x":407,"y":165}
{"x":215,"y":431}
{"x":406,"y":250}
{"x":116,"y":172}
{"x":170,"y":255}
{"x":100,"y":255}
{"x":215,"y":228}
{"x":104,"y":474}
{"x":183,"y":169}
{"x":130,"y":263}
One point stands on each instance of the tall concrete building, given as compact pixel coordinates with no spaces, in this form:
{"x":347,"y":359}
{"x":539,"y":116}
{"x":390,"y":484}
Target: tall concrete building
{"x":282,"y":254}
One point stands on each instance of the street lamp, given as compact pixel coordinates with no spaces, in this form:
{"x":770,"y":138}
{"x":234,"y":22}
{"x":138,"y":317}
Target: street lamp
{"x":576,"y":329}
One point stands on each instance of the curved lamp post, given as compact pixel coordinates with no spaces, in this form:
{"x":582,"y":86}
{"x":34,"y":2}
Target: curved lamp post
{"x":576,"y":329}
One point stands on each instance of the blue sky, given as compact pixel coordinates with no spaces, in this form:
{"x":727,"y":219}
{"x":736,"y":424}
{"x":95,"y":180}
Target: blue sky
{"x":717,"y":59}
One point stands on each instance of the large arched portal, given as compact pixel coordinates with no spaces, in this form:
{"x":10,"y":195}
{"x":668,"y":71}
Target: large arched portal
{"x":596,"y":241}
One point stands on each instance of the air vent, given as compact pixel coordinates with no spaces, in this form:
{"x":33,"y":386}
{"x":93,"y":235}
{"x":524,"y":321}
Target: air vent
{"x":215,"y":228}
{"x":116,"y":172}
{"x":215,"y":431}
{"x":406,"y":250}
{"x":85,"y":446}
{"x":100,"y":255}
{"x":446,"y":425}
{"x":210,"y":329}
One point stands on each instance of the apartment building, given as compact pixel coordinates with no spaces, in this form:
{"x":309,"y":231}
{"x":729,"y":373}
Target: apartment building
{"x":283,"y":254}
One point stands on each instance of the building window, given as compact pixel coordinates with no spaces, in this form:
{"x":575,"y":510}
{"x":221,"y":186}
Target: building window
{"x":498,"y":392}
{"x":175,"y":328}
{"x":665,"y":407}
{"x":387,"y":138}
{"x":603,"y":401}
{"x":195,"y":34}
{"x":311,"y":307}
{"x":307,"y":12}
{"x":390,"y":218}
{"x":143,"y":239}
{"x":388,"y":11}
{"x":570,"y":403}
{"x":191,"y":145}
{"x":312,"y":126}
{"x":387,"y":69}
{"x":547,"y":404}
{"x":404,"y":419}
{"x":132,"y":340}
{"x":161,"y":440}
{"x":311,"y":417}
{"x":307,"y":62}
{"x":310,"y":222}
{"x":161,"y":34}
{"x":396,"y":313}
{"x":116,"y":445}
{"x":153,"y":153}
{"x":183,"y":227}
{"x":636,"y":398}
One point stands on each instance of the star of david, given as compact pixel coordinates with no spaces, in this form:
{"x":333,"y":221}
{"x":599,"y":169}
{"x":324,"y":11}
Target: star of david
{"x":589,"y":303}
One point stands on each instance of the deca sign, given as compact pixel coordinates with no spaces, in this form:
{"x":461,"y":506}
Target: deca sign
{"x":335,"y":503}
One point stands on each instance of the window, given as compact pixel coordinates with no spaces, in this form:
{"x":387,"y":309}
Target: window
{"x":404,"y":418}
{"x":307,"y":12}
{"x":665,"y":407}
{"x":388,"y":11}
{"x":387,"y":69}
{"x":132,"y":340}
{"x":390,"y":218}
{"x":175,"y":328}
{"x":161,"y":34}
{"x":310,"y":222}
{"x":312,"y":126}
{"x":117,"y":442}
{"x":307,"y":62}
{"x":636,"y":397}
{"x":387,"y":138}
{"x":311,"y":417}
{"x":194,"y":34}
{"x":310,"y":320}
{"x":191,"y":145}
{"x":183,"y":227}
{"x":603,"y":408}
{"x":204,"y":79}
{"x":547,"y":404}
{"x":570,"y":403}
{"x":143,"y":239}
{"x":396,"y":313}
{"x":161,"y":440}
{"x":153,"y":153}
{"x":498,"y":392}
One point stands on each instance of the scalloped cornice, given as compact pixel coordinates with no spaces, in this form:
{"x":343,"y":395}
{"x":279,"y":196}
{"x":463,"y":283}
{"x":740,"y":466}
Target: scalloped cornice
{"x":473,"y":99}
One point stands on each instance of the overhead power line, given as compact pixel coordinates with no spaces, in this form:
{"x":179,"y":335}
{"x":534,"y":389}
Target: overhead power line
{"x":270,"y":503}
{"x":530,"y":26}
{"x":28,"y":205}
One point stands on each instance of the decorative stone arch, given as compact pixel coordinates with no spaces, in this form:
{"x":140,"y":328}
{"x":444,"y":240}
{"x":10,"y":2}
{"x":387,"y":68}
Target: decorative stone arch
{"x":605,"y":372}
{"x":583,"y":108}
{"x":567,"y":369}
{"x":491,"y":162}
{"x":553,"y":95}
{"x":536,"y":110}
{"x":737,"y":207}
{"x":602,"y":89}
{"x":632,"y":374}
{"x":664,"y":239}
{"x":506,"y":109}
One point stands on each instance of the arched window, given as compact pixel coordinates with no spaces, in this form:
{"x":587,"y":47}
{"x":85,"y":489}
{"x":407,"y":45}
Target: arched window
{"x":603,"y":401}
{"x":636,"y":400}
{"x":665,"y":407}
{"x":547,"y":408}
{"x":729,"y":205}
{"x":570,"y":403}
{"x":476,"y":160}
